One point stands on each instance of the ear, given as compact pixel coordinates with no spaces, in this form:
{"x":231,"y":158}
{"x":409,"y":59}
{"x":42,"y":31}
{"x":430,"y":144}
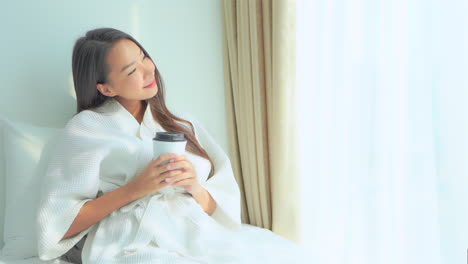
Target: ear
{"x":105,"y":90}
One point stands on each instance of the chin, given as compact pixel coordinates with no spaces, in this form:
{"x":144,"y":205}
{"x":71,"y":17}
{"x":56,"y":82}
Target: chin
{"x":153,"y":93}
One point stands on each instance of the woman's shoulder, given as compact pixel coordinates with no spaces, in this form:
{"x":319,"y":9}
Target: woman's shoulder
{"x":95,"y":118}
{"x":85,"y":120}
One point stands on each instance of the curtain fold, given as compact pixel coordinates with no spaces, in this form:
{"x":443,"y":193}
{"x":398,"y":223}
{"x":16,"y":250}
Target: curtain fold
{"x":259,"y":56}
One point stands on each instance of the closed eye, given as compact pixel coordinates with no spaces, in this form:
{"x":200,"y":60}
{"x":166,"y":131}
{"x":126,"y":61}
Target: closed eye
{"x":144,"y":57}
{"x":132,"y":71}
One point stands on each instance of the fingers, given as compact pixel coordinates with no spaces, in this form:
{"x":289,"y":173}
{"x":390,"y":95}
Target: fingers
{"x":170,"y":173}
{"x":180,"y":164}
{"x":163,"y":184}
{"x":161,"y":167}
{"x":181,"y":177}
{"x":161,"y":179}
{"x":163,"y":158}
{"x":189,"y":181}
{"x":181,"y":157}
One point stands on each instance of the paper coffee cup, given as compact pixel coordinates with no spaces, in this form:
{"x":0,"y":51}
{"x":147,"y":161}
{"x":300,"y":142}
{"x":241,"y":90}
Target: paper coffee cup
{"x":168,"y":142}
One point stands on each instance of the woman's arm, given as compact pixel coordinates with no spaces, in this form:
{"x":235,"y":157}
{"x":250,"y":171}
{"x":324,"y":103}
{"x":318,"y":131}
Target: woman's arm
{"x":94,"y":211}
{"x":152,"y":179}
{"x":206,"y":201}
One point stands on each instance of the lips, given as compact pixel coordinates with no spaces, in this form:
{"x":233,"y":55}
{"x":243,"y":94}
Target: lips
{"x":151,"y":85}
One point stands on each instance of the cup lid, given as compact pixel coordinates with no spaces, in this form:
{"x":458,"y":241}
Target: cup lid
{"x":169,"y":136}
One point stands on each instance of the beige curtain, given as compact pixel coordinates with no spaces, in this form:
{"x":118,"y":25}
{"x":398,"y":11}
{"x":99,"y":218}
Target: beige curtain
{"x":259,"y":55}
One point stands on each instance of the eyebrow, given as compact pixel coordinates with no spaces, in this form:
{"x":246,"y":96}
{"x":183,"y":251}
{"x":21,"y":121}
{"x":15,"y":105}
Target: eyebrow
{"x":130,"y":64}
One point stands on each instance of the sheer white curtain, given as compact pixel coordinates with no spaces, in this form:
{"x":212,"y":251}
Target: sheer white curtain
{"x":383,"y":102}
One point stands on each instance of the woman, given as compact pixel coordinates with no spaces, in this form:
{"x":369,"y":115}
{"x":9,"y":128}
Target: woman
{"x":104,"y":186}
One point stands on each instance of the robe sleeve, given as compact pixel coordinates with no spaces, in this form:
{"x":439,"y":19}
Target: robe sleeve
{"x":71,"y":180}
{"x":222,"y":185}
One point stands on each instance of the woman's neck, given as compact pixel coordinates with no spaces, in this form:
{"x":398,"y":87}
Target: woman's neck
{"x":135,"y":107}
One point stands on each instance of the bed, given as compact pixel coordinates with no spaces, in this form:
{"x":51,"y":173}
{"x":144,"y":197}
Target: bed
{"x":25,"y":149}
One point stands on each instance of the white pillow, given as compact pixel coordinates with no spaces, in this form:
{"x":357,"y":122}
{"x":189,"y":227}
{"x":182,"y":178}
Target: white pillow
{"x":27,"y":150}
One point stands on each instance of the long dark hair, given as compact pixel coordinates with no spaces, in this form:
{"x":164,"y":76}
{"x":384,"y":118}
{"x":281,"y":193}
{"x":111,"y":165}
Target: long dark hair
{"x":89,"y":68}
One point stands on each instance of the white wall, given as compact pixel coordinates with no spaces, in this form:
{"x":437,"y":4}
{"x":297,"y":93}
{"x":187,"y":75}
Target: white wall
{"x":183,"y":37}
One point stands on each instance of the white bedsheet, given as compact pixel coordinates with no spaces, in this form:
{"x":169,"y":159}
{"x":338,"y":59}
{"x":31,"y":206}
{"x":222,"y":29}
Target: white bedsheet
{"x":260,"y":240}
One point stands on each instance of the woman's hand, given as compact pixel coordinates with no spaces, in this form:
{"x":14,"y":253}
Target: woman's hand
{"x":188,"y":177}
{"x":153,"y":177}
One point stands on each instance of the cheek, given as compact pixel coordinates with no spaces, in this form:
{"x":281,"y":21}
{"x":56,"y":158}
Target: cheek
{"x":135,"y":82}
{"x":151,"y":65}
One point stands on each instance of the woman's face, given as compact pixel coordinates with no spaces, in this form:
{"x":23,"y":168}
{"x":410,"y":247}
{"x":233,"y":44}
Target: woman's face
{"x":131,"y":76}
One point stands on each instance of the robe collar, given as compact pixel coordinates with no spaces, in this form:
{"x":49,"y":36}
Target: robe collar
{"x":126,"y":122}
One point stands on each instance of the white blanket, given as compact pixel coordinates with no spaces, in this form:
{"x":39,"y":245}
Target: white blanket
{"x":102,"y":150}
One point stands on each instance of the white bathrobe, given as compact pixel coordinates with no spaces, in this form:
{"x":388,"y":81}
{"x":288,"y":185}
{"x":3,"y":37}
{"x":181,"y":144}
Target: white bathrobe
{"x":105,"y":148}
